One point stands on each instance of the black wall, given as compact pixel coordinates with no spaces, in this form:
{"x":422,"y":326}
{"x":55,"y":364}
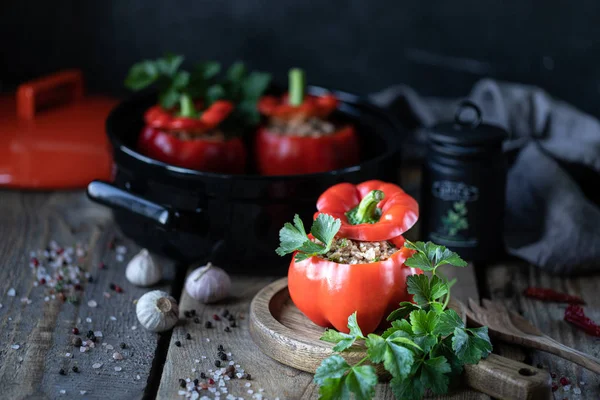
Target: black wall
{"x":438,"y":47}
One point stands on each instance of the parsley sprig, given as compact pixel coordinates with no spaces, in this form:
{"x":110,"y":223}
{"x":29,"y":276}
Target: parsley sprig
{"x":425,"y":347}
{"x":294,"y":238}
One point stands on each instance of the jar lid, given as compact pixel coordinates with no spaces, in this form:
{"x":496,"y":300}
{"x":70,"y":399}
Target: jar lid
{"x":467,"y":129}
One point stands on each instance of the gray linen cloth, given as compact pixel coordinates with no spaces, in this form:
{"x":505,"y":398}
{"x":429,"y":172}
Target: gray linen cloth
{"x":551,"y":221}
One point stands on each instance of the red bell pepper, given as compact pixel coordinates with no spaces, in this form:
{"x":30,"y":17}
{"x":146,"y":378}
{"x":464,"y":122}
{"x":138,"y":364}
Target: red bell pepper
{"x":169,"y":120}
{"x":328,"y":292}
{"x":218,"y":155}
{"x":288,"y":154}
{"x":371,"y":211}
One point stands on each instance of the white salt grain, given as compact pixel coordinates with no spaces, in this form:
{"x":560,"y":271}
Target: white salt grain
{"x":96,"y":365}
{"x":113,"y":318}
{"x":567,"y":388}
{"x":92,"y":303}
{"x":15,"y":347}
{"x":88,"y":320}
{"x":46,"y":299}
{"x":20,"y":359}
{"x":11,"y":292}
{"x":117,"y":356}
{"x":133,"y":328}
{"x":82,"y":349}
{"x":98,"y":333}
{"x":193,"y":369}
{"x":121,"y":249}
{"x":109,"y":347}
{"x":62,"y":391}
{"x":118,"y":369}
{"x":197,"y":361}
{"x":181,"y":392}
{"x":82,"y":392}
{"x":138,"y":377}
{"x":248,"y":384}
{"x":250,"y":391}
{"x":576,"y":390}
{"x":68,"y":355}
{"x":120,"y":258}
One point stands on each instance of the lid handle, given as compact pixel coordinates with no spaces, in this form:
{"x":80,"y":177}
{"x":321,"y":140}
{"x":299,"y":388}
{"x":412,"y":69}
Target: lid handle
{"x":465,"y":105}
{"x":61,"y":87}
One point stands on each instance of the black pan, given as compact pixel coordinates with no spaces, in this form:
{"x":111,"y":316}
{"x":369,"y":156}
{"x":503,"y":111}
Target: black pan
{"x":231,"y":220}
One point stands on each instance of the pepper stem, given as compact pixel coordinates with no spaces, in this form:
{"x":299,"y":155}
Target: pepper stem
{"x":186,"y":105}
{"x":366,"y":212}
{"x":296,"y":87}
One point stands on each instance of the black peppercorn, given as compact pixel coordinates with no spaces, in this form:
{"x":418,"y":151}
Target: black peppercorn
{"x":62,"y":372}
{"x":188,"y":336}
{"x":90,"y":279}
{"x":197,"y":320}
{"x":75,"y":369}
{"x":223,"y":356}
{"x":230,"y":375}
{"x":202,"y":375}
{"x":89,"y":334}
{"x":227,"y":329}
{"x":178,"y":343}
{"x":233,"y":324}
{"x":182,"y":383}
{"x":231,"y":317}
{"x":208,"y":324}
{"x":248,"y":376}
{"x":123,"y":345}
{"x":186,"y":314}
{"x":193,"y":313}
{"x":196,"y":382}
{"x":77,"y":342}
{"x":217,"y":363}
{"x":225,"y":313}
{"x":112,"y":286}
{"x":220,"y":347}
{"x":230,"y":368}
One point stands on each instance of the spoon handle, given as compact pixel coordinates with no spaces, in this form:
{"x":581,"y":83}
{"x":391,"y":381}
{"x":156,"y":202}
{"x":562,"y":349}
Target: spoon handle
{"x":550,"y":345}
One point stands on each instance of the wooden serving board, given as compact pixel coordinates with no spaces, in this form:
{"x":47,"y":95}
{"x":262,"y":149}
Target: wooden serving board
{"x":283,"y":333}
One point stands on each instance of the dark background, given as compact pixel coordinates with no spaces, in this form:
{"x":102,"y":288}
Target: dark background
{"x":438,"y":47}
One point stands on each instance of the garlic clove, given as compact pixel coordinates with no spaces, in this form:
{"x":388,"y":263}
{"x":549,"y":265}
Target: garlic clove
{"x":208,"y":284}
{"x":157,"y":311}
{"x":142,"y":270}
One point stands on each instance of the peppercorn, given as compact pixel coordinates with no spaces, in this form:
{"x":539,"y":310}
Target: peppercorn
{"x":188,"y":336}
{"x":233,"y":324}
{"x":231,"y":317}
{"x":193,"y":313}
{"x":77,"y":287}
{"x":211,"y":381}
{"x":118,"y":289}
{"x":62,"y":372}
{"x":216,"y":317}
{"x":187,"y":314}
{"x":102,"y":265}
{"x":202,"y":375}
{"x":196,"y":382}
{"x":75,"y":369}
{"x":75,"y":331}
{"x":42,"y":281}
{"x":540,"y":366}
{"x":112,"y":286}
{"x":220,"y":347}
{"x":182,"y":382}
{"x":123,"y":345}
{"x":248,"y":376}
{"x":225,"y":313}
{"x":178,"y":343}
{"x":553,"y":375}
{"x":89,"y":334}
{"x":230,"y":375}
{"x":230,"y":368}
{"x":223,"y":356}
{"x":208,"y":324}
{"x":217,"y":363}
{"x":227,"y":329}
{"x":90,"y":279}
{"x":197,"y":320}
{"x":76,"y":341}
{"x":554,"y":387}
{"x":564,"y":381}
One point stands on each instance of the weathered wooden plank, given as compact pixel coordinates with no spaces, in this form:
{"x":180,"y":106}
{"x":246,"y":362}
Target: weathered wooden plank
{"x":277,"y":380}
{"x":42,"y":329}
{"x":507,"y":282}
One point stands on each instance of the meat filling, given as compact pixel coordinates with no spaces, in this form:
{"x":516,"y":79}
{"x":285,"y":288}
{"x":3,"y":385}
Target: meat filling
{"x":305,"y":127}
{"x":346,"y":251}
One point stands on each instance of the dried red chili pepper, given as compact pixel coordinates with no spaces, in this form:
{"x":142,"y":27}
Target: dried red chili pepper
{"x":546,"y":294}
{"x":575,"y":315}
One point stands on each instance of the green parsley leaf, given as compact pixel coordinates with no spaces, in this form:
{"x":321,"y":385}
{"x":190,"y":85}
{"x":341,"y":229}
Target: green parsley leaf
{"x":142,"y":75}
{"x":433,"y":374}
{"x":236,"y":71}
{"x":214,"y":93}
{"x":406,"y":307}
{"x":325,"y":228}
{"x":444,"y":348}
{"x":448,"y":321}
{"x":342,"y":340}
{"x":332,"y":367}
{"x":418,"y":286}
{"x":398,"y":359}
{"x":471,"y":345}
{"x":423,"y":322}
{"x":399,"y":325}
{"x":334,"y":389}
{"x":169,"y":98}
{"x":208,"y":70}
{"x":361,"y":381}
{"x":293,"y":237}
{"x":426,"y":342}
{"x":353,"y":326}
{"x":429,"y":256}
{"x":255,"y":84}
{"x":376,"y":347}
{"x":169,"y":64}
{"x":407,"y":389}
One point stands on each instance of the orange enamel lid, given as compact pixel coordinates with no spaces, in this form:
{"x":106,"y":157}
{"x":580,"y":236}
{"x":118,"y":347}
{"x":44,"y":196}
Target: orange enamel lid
{"x":52,"y":136}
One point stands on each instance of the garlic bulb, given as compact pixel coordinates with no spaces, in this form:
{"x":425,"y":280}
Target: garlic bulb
{"x":157,"y":311}
{"x":142,"y":270}
{"x":208,"y":284}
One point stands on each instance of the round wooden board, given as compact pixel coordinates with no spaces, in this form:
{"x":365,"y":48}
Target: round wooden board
{"x":283,"y":333}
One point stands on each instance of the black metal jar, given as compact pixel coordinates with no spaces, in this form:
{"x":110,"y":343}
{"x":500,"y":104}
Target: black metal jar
{"x":463,"y":187}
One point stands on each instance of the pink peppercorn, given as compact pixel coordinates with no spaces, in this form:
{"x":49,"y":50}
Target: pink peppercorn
{"x":554,"y":387}
{"x":564,"y":381}
{"x":42,"y":281}
{"x":35,"y":262}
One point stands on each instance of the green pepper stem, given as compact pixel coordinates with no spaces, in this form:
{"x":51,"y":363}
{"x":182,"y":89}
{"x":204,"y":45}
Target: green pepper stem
{"x":296,"y":87}
{"x":366,"y":212}
{"x":187,"y":106}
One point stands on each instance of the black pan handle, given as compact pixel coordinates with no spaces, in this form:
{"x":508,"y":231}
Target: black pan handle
{"x":114,"y":197}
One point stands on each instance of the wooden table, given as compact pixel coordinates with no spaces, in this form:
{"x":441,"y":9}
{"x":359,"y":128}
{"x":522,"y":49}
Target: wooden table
{"x":152,"y":364}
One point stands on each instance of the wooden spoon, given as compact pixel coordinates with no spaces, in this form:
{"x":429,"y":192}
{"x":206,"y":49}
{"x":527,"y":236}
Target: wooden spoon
{"x":510,"y":327}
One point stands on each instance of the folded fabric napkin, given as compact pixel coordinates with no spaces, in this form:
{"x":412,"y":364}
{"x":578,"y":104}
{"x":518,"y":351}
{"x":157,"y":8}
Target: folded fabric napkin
{"x":552,"y":214}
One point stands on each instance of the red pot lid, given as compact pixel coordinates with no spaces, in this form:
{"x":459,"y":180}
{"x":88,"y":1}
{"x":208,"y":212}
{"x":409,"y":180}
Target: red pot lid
{"x":52,"y":135}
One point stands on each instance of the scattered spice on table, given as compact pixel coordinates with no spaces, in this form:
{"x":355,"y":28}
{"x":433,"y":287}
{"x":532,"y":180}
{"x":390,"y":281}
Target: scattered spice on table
{"x":75,"y":368}
{"x":178,"y":343}
{"x":547,"y":294}
{"x":208,"y":324}
{"x":188,"y":336}
{"x":575,"y":315}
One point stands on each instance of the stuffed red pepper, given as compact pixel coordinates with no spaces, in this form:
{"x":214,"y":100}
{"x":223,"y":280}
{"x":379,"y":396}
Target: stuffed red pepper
{"x":199,"y":120}
{"x":300,"y":135}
